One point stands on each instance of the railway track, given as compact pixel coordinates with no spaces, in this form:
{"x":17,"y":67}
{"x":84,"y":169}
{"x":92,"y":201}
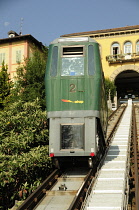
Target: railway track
{"x":134,"y":160}
{"x":40,"y":192}
{"x":70,"y":186}
{"x":67,"y":186}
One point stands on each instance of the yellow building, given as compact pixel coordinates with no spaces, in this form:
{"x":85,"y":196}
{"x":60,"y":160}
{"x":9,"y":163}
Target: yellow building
{"x":119,"y":48}
{"x":15,"y":48}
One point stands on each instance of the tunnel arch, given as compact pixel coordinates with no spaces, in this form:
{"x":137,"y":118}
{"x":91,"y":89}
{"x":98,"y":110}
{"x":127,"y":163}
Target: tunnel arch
{"x":123,"y":68}
{"x":126,"y":79}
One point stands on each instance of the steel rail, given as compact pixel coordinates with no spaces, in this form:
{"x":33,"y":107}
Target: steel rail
{"x":113,"y":113}
{"x":135,"y":160}
{"x":79,"y":198}
{"x":40,"y":192}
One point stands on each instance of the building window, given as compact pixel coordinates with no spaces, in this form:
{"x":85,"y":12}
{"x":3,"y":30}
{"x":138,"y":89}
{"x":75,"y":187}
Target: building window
{"x":2,"y":58}
{"x":115,"y":48}
{"x":127,"y":47}
{"x":18,"y":56}
{"x":137,"y":47}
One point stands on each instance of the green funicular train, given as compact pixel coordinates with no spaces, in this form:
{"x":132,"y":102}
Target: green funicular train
{"x":76,"y":102}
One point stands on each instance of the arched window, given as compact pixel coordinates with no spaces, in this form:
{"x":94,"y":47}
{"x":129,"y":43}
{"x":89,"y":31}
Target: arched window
{"x":127,"y":47}
{"x":137,"y":47}
{"x":115,"y":48}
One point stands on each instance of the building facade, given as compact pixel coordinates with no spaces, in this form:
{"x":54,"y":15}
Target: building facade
{"x":119,"y":49}
{"x":15,"y":49}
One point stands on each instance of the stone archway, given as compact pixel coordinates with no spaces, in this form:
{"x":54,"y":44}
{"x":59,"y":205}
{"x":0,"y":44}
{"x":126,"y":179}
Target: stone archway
{"x":126,"y":79}
{"x":123,"y":68}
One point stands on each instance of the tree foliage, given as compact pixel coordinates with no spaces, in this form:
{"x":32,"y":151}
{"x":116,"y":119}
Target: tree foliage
{"x":5,"y":85}
{"x":30,"y":79}
{"x":23,"y":151}
{"x":110,"y":87}
{"x":23,"y":131}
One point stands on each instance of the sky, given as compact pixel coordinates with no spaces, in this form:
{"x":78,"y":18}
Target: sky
{"x":47,"y":20}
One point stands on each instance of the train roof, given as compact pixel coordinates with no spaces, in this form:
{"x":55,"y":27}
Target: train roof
{"x":73,"y":39}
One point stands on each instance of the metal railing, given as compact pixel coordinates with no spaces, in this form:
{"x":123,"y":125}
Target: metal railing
{"x":118,"y":58}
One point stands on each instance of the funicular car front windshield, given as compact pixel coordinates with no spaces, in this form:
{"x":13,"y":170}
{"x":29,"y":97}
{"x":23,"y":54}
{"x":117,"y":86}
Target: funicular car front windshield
{"x":72,"y":66}
{"x":72,"y":60}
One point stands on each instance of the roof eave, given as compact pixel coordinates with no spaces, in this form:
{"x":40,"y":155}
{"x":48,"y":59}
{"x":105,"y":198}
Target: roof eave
{"x":21,"y":37}
{"x":89,"y":33}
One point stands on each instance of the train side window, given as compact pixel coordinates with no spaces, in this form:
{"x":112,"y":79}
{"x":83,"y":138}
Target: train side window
{"x":53,"y":71}
{"x":91,"y":63}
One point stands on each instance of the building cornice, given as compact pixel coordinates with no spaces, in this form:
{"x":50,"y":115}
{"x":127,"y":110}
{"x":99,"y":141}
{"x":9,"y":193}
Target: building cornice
{"x":28,"y":37}
{"x":107,"y":32}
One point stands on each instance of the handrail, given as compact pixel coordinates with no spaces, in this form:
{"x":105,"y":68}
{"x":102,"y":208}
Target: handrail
{"x":122,"y":57}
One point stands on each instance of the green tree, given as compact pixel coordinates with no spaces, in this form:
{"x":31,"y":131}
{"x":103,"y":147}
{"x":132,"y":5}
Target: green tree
{"x":24,"y":133}
{"x":5,"y":85}
{"x":30,"y":79}
{"x":110,"y":86}
{"x":25,"y":162}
